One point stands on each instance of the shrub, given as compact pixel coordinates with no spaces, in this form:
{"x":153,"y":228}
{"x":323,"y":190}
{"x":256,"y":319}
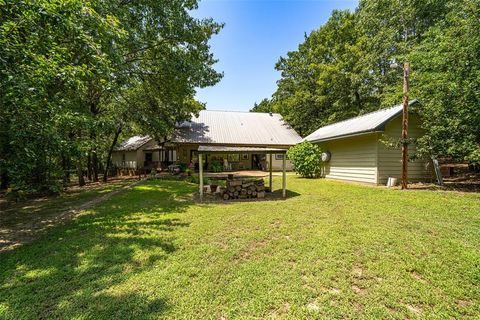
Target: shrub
{"x":306,"y":159}
{"x":196,"y":180}
{"x":182,"y":166}
{"x":216,"y":166}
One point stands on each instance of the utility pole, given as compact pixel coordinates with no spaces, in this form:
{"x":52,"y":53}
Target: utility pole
{"x":406,"y":74}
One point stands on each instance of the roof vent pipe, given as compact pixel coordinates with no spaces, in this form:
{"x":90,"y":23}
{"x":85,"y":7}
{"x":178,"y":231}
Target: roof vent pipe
{"x":270,"y":113}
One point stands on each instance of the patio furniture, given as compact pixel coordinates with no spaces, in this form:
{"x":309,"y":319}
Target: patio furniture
{"x":226,"y":165}
{"x":174,"y":168}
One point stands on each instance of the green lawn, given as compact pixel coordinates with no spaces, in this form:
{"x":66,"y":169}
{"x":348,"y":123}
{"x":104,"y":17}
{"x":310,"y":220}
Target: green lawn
{"x":334,"y":250}
{"x":22,"y":221}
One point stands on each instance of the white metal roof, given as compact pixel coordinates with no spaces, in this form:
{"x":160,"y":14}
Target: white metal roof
{"x":229,"y":149}
{"x":133,"y":143}
{"x":370,"y":122}
{"x":239,"y":128}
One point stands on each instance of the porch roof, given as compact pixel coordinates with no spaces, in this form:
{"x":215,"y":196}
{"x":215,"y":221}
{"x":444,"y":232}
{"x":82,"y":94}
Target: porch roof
{"x":233,"y":149}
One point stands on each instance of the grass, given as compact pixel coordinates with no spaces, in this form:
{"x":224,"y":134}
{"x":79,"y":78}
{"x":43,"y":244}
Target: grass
{"x":23,"y":221}
{"x":336,"y":250}
{"x":47,"y":206}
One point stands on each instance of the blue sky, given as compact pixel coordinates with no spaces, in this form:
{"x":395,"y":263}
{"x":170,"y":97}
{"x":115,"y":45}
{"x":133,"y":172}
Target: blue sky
{"x":255,"y":35}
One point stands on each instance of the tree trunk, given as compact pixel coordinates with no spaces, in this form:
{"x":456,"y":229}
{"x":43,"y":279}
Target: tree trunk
{"x":81,"y":179}
{"x":95,"y":165}
{"x":109,"y":156}
{"x":93,"y":134}
{"x":66,"y":172}
{"x":89,"y":166}
{"x":69,"y":162}
{"x":358,"y":101}
{"x":5,"y":180}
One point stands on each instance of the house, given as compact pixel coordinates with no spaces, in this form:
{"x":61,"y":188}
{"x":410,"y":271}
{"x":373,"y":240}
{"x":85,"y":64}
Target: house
{"x":224,"y":134}
{"x":235,"y":129}
{"x":136,"y":153}
{"x":357,"y":153}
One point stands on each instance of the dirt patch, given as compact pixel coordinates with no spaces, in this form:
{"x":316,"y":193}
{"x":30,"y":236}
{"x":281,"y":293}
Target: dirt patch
{"x":462,"y":183}
{"x":275,"y":224}
{"x":280,"y":310}
{"x":417,"y":276}
{"x":392,"y":310}
{"x":414,"y":309}
{"x":20,"y":228}
{"x":358,"y":290}
{"x":313,"y":307}
{"x":357,"y":271}
{"x":358,"y":307}
{"x":463,"y":303}
{"x":334,"y":291}
{"x":250,"y":248}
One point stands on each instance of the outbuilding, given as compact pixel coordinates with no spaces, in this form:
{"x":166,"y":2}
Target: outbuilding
{"x":355,"y":149}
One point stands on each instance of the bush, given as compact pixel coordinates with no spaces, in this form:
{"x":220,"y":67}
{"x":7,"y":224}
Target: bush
{"x":216,"y":166}
{"x":196,"y":180}
{"x":182,"y":166}
{"x":306,"y":159}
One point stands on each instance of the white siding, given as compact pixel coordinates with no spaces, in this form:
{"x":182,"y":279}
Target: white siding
{"x":278,"y":164}
{"x":353,"y":158}
{"x":141,"y":153}
{"x":390,"y":160}
{"x":130,"y":159}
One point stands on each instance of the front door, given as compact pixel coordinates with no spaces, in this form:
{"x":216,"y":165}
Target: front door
{"x":148,"y":157}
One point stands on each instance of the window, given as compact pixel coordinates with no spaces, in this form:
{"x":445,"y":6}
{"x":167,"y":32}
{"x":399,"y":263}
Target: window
{"x":279,"y":156}
{"x":233,"y":157}
{"x":148,"y":157}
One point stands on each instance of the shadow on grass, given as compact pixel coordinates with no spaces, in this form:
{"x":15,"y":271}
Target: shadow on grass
{"x":77,"y":270}
{"x":276,"y":195}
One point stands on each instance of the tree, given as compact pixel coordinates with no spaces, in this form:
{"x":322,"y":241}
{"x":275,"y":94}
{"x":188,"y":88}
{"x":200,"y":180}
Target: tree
{"x":74,"y":75}
{"x":264,"y":106}
{"x":390,"y":29}
{"x":321,"y":82}
{"x":447,"y":82}
{"x":42,"y":47}
{"x":343,"y":69}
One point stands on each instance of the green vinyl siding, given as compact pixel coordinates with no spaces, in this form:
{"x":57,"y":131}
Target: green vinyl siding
{"x":353,"y":158}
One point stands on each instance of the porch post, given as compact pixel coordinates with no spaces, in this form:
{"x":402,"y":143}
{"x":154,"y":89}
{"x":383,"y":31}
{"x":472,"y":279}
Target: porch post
{"x":270,"y":169}
{"x":200,"y":168}
{"x":284,"y":178}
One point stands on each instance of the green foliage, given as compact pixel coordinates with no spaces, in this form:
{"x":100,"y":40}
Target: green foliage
{"x":182,"y":166}
{"x":76,"y":74}
{"x":448,"y":83}
{"x":343,"y":70}
{"x":321,"y":81}
{"x":264,"y":106}
{"x":306,"y":159}
{"x":192,"y":179}
{"x":216,"y":166}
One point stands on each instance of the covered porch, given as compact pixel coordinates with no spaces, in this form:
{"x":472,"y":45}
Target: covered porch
{"x":204,"y":150}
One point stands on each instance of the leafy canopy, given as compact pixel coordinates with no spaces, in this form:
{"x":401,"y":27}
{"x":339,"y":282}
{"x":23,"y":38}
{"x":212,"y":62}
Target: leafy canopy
{"x":75,"y":75}
{"x":343,"y":70}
